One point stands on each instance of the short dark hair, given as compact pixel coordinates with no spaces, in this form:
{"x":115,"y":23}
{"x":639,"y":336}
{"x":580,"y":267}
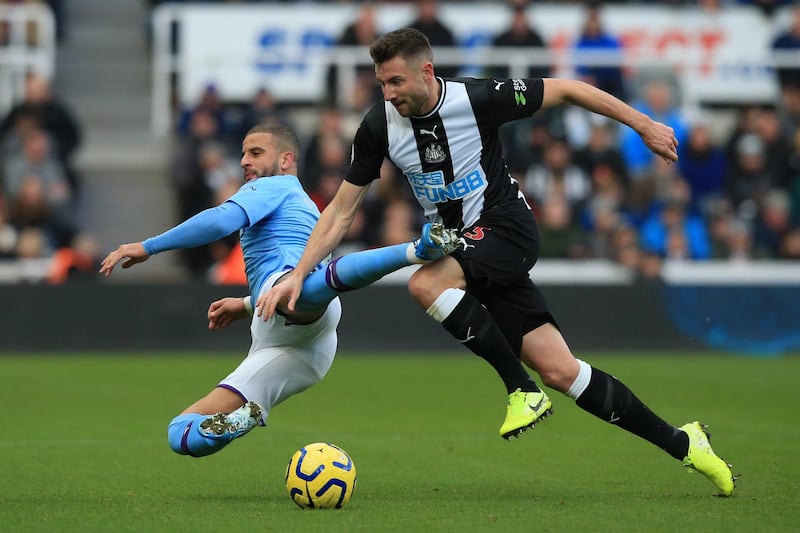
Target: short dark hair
{"x":405,"y":42}
{"x":283,"y":137}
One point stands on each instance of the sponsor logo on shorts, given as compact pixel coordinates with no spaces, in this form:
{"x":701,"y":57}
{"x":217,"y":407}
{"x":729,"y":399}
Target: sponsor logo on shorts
{"x":476,"y":234}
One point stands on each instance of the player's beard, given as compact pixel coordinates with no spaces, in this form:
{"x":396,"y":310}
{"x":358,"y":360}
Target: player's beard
{"x":272,"y":170}
{"x":415,"y":104}
{"x":409,"y":108}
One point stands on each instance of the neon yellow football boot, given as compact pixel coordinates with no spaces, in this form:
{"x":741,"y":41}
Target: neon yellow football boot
{"x":703,"y":459}
{"x":524,"y":410}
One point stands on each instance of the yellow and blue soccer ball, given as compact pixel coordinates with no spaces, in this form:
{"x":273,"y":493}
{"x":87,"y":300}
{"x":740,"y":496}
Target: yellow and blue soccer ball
{"x":320,"y":476}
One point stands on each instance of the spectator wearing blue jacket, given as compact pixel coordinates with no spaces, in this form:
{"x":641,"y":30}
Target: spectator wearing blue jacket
{"x":658,"y":103}
{"x":595,"y":38}
{"x":673,"y":233}
{"x":703,"y":164}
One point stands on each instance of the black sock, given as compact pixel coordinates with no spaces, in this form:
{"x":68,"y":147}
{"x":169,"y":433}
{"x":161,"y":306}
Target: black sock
{"x":472,"y":325}
{"x":609,"y":399}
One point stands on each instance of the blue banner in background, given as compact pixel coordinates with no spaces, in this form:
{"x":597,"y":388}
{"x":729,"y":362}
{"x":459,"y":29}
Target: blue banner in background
{"x":756,"y":320}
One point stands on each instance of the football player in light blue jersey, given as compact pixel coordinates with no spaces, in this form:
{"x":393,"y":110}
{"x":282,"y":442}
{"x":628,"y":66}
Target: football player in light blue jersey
{"x":294,"y":349}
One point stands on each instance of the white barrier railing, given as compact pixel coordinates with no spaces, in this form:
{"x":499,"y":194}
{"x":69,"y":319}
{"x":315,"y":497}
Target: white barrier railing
{"x":18,"y":56}
{"x":719,"y":59}
{"x":546,"y":272}
{"x":167,"y":69}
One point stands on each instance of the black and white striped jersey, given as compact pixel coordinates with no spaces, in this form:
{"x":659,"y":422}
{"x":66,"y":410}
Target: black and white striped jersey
{"x":451,"y":157}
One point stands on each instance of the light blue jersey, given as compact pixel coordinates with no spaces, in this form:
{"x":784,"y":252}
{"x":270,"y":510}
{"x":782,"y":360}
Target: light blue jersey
{"x":281,"y":216}
{"x":274,"y":217}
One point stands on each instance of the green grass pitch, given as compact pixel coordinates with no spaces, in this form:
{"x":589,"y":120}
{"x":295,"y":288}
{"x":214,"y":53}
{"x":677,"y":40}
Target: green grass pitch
{"x":84,"y":448}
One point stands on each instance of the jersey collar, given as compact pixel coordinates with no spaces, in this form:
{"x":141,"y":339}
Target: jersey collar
{"x":442,"y":91}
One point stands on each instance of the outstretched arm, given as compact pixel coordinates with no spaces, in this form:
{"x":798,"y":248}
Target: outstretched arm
{"x":658,"y":137}
{"x":331,"y":227}
{"x":205,"y":227}
{"x":134,"y":252}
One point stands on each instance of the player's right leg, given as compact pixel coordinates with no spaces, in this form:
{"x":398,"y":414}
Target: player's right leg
{"x":495,"y":255}
{"x":360,"y":269}
{"x":212,"y":422}
{"x":439,"y":288}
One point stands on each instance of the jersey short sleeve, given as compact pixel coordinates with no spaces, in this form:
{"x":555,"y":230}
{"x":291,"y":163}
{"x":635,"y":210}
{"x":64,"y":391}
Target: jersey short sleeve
{"x":369,"y":148}
{"x":509,"y":99}
{"x":255,"y":203}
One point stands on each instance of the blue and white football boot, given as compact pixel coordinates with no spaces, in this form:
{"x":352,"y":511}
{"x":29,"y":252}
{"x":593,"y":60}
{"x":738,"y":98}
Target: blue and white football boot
{"x":436,"y":241}
{"x":233,"y":425}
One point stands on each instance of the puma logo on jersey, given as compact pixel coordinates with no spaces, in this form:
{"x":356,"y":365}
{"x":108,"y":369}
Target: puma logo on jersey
{"x":423,"y":131}
{"x":498,"y":84}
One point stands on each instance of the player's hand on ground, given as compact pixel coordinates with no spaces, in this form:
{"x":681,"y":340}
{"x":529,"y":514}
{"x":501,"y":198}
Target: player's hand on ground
{"x":661,"y":139}
{"x":133,"y":253}
{"x":285,"y":292}
{"x":223,"y":312}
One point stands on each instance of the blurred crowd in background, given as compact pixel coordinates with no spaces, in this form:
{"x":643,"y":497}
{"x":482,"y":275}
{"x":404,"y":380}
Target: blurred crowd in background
{"x":767,"y":6}
{"x":598,"y":193}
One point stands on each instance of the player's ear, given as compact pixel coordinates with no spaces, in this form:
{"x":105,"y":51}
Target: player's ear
{"x":427,"y":70}
{"x":286,"y":160}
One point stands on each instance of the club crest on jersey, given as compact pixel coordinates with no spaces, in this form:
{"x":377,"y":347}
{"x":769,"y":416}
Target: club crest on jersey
{"x":431,"y":187}
{"x":434,"y":154}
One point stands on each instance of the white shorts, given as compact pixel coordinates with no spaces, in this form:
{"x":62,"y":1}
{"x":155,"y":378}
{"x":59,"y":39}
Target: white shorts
{"x":284,"y":359}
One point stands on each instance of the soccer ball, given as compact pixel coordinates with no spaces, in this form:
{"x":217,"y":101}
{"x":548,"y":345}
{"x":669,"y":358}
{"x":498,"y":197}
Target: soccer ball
{"x":320,"y":475}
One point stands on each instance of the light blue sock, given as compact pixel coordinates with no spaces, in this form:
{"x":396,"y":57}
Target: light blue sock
{"x":350,"y":272}
{"x":186,"y":440}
